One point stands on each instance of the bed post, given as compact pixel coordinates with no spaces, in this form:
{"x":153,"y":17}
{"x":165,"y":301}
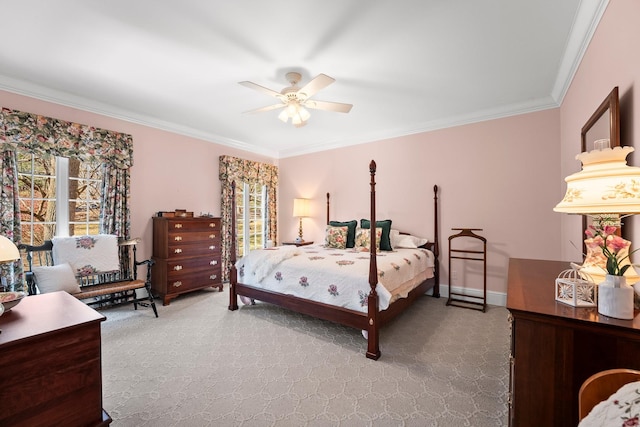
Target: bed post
{"x":233,"y":272}
{"x":373,"y":347}
{"x":436,"y":244}
{"x":327,"y":208}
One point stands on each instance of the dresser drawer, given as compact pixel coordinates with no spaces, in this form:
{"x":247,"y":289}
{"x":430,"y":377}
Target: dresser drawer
{"x":194,"y":280}
{"x":193,"y":225}
{"x":212,"y":248}
{"x":188,"y":265}
{"x":194,"y":236}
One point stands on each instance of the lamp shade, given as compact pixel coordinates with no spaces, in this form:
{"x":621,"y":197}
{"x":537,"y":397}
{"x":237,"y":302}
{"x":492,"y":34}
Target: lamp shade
{"x":8,"y":250}
{"x":301,"y":208}
{"x":605,"y":185}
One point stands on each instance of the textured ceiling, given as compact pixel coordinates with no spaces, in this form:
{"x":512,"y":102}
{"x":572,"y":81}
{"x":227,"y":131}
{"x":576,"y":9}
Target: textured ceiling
{"x":406,"y":65}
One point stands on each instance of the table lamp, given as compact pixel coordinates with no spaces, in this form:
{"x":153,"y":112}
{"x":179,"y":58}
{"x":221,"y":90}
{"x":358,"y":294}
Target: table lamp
{"x":300,"y":210}
{"x":604,"y":189}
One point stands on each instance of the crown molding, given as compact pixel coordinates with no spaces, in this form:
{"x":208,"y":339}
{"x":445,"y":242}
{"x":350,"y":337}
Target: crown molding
{"x":584,"y":27}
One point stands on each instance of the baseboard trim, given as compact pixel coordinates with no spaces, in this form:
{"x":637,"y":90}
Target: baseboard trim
{"x":493,"y":298}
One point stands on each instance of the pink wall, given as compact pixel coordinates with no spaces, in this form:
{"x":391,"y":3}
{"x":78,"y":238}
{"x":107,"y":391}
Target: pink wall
{"x":499,"y":175}
{"x":612,"y":59}
{"x":503,"y":175}
{"x":170,"y":171}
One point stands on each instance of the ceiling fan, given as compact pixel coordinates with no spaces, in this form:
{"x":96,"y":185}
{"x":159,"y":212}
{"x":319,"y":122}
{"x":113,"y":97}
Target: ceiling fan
{"x":294,"y":99}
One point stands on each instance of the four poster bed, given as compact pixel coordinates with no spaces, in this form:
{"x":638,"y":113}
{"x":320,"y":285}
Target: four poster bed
{"x":410,"y":272}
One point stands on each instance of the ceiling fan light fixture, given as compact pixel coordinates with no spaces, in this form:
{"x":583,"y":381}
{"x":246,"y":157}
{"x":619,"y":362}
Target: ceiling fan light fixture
{"x":293,"y":98}
{"x":304,"y":114}
{"x":292,"y":108}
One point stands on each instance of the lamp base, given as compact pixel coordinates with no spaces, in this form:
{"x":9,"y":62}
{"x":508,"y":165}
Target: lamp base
{"x":299,"y":240}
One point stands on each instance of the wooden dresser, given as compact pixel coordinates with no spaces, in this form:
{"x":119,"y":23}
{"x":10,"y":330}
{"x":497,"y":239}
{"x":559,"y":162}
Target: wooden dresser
{"x":50,"y":354}
{"x":555,"y":347}
{"x":186,"y":252}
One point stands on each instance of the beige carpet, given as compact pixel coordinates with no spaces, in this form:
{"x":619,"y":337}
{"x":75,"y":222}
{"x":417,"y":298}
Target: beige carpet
{"x":199,"y":364}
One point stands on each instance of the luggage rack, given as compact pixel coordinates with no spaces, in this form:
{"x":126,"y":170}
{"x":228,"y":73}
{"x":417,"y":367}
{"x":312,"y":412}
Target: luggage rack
{"x":460,"y":299}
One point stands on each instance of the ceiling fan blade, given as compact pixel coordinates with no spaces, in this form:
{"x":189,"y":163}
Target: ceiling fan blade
{"x":329,"y":106}
{"x":268,"y":108}
{"x":319,"y":82}
{"x":262,"y":89}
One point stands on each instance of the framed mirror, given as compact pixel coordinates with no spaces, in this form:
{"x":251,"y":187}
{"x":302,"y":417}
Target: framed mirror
{"x":604,"y":123}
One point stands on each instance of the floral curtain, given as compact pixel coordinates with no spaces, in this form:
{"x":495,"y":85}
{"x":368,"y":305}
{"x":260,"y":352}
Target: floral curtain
{"x":44,"y":135}
{"x":115,"y":215}
{"x":241,"y":170}
{"x":10,"y":211}
{"x":47,"y":136}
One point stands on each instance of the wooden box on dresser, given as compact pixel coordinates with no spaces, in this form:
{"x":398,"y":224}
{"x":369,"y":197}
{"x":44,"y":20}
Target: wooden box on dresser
{"x":186,"y":252}
{"x":555,"y":347}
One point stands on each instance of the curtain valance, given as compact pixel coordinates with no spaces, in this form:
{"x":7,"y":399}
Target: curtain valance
{"x":48,"y":136}
{"x":241,"y":170}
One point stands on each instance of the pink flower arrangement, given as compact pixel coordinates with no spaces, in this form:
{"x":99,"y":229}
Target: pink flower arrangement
{"x":605,"y":238}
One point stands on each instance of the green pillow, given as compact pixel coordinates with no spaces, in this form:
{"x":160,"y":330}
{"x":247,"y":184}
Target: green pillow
{"x":385,"y":243}
{"x":351,"y":230}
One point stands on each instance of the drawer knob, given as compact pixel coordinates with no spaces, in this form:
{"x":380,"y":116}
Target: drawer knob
{"x":213,"y":277}
{"x":177,"y":238}
{"x":177,"y":251}
{"x":212,"y":248}
{"x":177,"y":284}
{"x":178,"y":225}
{"x":177,"y":268}
{"x":214,"y":262}
{"x":212,"y":236}
{"x":212,"y":224}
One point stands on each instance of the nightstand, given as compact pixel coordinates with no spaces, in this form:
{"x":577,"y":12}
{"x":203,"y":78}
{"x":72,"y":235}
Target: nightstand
{"x":298,"y":243}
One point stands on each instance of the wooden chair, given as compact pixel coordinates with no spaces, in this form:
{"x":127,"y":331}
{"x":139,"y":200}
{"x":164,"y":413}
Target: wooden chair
{"x":600,"y":386}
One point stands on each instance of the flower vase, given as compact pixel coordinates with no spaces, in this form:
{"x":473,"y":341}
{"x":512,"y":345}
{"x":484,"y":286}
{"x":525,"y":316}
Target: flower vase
{"x":615,"y":297}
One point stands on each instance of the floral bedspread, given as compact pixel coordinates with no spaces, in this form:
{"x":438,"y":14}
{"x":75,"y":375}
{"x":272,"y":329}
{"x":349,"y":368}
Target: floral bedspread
{"x":335,"y":276}
{"x":619,"y":410}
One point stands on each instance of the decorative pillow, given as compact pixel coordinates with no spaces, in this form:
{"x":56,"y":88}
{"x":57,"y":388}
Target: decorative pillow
{"x":363,"y":239}
{"x":385,"y":243}
{"x":56,"y":278}
{"x":409,"y":241}
{"x":351,"y":235}
{"x":394,"y":235}
{"x":336,"y":237}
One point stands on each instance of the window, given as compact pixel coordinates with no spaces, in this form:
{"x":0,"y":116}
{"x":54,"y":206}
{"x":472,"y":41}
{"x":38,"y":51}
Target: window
{"x":251,"y":214}
{"x":58,"y":196}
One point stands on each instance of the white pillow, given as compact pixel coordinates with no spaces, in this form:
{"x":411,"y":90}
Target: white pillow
{"x":56,"y":278}
{"x":409,"y":241}
{"x":394,"y":235}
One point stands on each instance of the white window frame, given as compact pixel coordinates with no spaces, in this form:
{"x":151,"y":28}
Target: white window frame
{"x":246,"y":221}
{"x":61,"y":197}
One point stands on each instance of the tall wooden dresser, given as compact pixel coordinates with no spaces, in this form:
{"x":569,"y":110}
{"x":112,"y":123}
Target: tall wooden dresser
{"x":186,"y":252}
